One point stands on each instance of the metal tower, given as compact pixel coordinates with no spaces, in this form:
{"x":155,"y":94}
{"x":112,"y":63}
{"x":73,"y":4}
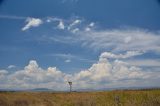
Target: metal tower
{"x":70,"y":84}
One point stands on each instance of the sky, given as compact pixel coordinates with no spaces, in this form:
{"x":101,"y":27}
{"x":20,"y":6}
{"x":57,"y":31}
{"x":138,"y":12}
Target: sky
{"x":96,"y":44}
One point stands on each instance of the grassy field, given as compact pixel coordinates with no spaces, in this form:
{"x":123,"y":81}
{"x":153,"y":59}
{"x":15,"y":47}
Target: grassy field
{"x":105,"y":98}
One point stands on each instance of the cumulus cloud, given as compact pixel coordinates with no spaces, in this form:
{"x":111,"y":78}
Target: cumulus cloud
{"x":3,"y":72}
{"x":103,"y":74}
{"x":32,"y":22}
{"x":105,"y":71}
{"x":33,"y":76}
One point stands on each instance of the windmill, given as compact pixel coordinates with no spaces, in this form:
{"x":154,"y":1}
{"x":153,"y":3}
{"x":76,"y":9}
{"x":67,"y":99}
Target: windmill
{"x":70,"y":85}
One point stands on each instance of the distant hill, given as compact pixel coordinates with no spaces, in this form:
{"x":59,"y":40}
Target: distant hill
{"x":36,"y":89}
{"x":79,"y":90}
{"x":118,"y":88}
{"x":41,"y":89}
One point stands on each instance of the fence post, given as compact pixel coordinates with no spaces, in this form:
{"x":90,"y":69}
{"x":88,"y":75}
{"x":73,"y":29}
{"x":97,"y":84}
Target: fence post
{"x":117,"y":100}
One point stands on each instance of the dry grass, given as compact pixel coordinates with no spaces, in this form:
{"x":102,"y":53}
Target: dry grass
{"x":108,"y":98}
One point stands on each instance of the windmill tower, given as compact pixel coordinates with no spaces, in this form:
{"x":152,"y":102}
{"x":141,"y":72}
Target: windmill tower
{"x":70,"y":85}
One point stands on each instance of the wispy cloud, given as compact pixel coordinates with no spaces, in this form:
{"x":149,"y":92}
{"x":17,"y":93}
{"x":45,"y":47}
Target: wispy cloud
{"x":71,"y":25}
{"x":119,"y":40}
{"x":70,"y":57}
{"x":13,"y":17}
{"x":68,"y":61}
{"x":31,"y":22}
{"x":58,"y":39}
{"x":11,"y":66}
{"x":63,"y":55}
{"x":127,"y":55}
{"x":74,"y":23}
{"x":71,"y":1}
{"x":115,"y":40}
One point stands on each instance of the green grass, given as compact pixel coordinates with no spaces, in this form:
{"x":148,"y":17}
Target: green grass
{"x":108,"y":98}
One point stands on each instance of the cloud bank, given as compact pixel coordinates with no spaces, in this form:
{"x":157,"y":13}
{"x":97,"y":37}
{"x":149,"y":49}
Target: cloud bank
{"x":102,"y":74}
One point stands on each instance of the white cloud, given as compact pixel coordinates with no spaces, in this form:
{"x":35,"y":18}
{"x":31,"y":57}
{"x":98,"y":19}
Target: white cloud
{"x":109,"y":72}
{"x":53,"y":19}
{"x":102,"y":74}
{"x":32,"y":22}
{"x":77,"y":21}
{"x":33,"y":76}
{"x":127,"y":55}
{"x":59,"y":39}
{"x":3,"y":72}
{"x":74,"y":23}
{"x":75,"y":30}
{"x":68,"y":61}
{"x":87,"y":29}
{"x":11,"y":66}
{"x":70,"y":56}
{"x":48,"y":20}
{"x":91,"y":24}
{"x":61,"y":25}
{"x":117,"y":74}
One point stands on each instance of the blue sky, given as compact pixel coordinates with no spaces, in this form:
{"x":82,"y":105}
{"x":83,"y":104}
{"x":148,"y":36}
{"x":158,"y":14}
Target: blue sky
{"x":94,"y":42}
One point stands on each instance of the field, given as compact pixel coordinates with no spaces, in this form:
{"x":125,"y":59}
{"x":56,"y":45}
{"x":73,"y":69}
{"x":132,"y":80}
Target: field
{"x":103,"y":98}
